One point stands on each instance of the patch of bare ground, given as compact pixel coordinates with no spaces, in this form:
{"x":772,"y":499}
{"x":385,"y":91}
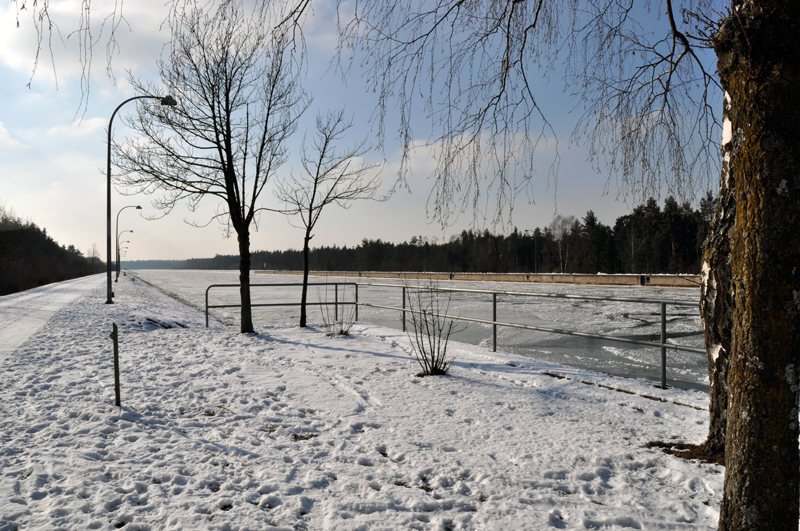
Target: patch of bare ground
{"x":688,"y":451}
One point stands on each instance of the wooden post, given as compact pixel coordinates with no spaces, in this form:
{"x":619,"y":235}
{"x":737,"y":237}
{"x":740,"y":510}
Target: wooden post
{"x":663,"y":345}
{"x":115,"y":337}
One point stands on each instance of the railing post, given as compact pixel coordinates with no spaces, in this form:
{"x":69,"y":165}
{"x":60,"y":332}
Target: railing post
{"x":356,"y":302}
{"x":403,"y":313}
{"x":335,"y":302}
{"x":663,"y":345}
{"x":207,"y":305}
{"x":494,"y":322}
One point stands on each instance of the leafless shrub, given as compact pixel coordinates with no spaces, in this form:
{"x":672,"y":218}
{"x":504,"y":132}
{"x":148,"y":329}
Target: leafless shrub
{"x":430,"y":328}
{"x":336,"y":319}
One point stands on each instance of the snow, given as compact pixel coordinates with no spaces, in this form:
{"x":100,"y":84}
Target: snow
{"x":292,"y":429}
{"x":22,"y":314}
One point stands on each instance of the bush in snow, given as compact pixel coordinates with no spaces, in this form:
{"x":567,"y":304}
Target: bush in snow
{"x":430,"y":329}
{"x":336,"y":321}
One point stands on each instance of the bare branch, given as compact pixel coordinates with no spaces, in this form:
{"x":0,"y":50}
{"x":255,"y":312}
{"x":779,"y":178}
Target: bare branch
{"x":239,"y":101}
{"x":330,"y":175}
{"x":651,"y":105}
{"x":471,"y":65}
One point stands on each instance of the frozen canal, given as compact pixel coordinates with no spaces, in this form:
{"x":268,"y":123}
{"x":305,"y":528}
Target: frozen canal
{"x":621,"y":319}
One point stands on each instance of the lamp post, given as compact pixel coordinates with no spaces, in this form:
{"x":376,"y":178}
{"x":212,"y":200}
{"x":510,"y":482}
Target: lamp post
{"x":116,"y":231}
{"x":167,"y":100}
{"x":116,"y":279}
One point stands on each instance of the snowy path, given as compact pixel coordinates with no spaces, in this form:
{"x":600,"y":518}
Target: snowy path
{"x":22,"y":314}
{"x":291,"y":429}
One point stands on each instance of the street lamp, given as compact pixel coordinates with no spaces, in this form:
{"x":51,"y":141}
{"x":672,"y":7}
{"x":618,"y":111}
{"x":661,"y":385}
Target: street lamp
{"x":119,"y":243}
{"x":167,"y":100}
{"x":137,"y":207}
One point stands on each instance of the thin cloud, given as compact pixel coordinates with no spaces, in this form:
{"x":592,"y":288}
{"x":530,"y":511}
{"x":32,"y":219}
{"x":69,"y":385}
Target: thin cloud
{"x":6,"y":140}
{"x":78,"y":128}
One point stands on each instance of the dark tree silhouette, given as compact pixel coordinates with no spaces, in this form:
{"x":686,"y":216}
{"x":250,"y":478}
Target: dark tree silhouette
{"x":29,"y":257}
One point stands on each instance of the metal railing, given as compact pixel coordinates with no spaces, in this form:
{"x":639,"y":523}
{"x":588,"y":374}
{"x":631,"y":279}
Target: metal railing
{"x":662,"y":344}
{"x":336,"y":302}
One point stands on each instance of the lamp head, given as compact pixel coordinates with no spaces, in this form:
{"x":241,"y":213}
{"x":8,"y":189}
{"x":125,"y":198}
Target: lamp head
{"x":169,"y":100}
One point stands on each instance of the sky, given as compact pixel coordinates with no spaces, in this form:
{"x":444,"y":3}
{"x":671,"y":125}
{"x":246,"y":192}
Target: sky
{"x":53,"y":150}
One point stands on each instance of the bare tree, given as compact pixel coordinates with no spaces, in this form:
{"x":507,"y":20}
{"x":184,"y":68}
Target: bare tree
{"x":561,"y":229}
{"x":93,"y":254}
{"x":239,"y":102}
{"x":330,"y":176}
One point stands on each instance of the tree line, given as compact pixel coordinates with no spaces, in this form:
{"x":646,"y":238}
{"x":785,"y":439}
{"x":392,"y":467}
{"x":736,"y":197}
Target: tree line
{"x":650,"y":239}
{"x":29,"y":257}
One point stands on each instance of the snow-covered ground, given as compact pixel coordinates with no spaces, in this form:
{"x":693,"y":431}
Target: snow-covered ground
{"x":22,"y":314}
{"x":292,"y":429}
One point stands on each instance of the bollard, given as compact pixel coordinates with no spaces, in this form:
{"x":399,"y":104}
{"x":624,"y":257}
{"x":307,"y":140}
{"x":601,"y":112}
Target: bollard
{"x":356,"y":302}
{"x":115,"y":337}
{"x":335,"y":303}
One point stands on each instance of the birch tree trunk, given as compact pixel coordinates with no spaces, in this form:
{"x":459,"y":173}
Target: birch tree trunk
{"x":758,"y":50}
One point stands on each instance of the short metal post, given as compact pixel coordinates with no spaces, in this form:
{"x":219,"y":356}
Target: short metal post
{"x":356,"y":302}
{"x":403,"y":313}
{"x":115,"y":337}
{"x":335,"y":303}
{"x":494,"y":322}
{"x":207,"y":305}
{"x":663,"y":345}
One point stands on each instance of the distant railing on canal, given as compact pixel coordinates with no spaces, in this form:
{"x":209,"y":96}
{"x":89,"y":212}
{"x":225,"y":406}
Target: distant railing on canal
{"x":662,"y":344}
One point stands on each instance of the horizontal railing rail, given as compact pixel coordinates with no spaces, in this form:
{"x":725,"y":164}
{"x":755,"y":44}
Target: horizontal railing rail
{"x":663,"y":345}
{"x":669,"y":346}
{"x":542,"y":295}
{"x":336,"y":302}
